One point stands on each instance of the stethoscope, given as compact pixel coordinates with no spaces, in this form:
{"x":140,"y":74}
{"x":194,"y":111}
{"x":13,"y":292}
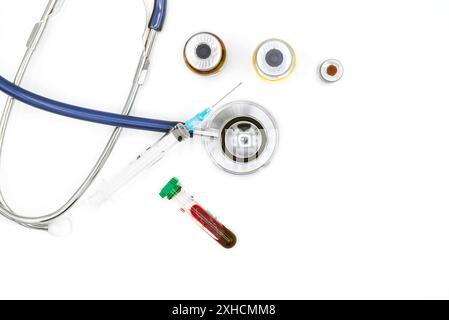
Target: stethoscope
{"x":239,"y":133}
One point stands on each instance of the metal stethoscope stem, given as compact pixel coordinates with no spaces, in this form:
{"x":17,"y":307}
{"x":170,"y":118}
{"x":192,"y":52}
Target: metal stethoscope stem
{"x":42,"y":222}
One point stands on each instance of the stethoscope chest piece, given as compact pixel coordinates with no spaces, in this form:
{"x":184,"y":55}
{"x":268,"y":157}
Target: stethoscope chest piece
{"x":274,"y":59}
{"x":246,"y":137}
{"x":205,"y":53}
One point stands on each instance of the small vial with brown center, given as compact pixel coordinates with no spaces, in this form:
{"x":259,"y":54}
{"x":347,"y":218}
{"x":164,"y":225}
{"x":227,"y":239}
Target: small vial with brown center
{"x":331,"y":70}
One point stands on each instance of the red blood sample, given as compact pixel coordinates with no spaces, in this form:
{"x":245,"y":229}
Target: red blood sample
{"x":332,"y":70}
{"x":219,"y":232}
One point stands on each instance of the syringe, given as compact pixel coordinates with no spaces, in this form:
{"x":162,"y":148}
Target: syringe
{"x":180,"y":133}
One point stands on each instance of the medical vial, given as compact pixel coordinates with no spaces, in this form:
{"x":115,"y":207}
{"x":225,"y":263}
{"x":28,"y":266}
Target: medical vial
{"x":331,"y":70}
{"x":205,"y":53}
{"x":274,"y":59}
{"x":174,"y":191}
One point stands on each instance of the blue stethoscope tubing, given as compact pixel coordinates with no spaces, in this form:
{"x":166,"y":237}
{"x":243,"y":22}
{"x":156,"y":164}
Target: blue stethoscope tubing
{"x":106,"y":118}
{"x":158,"y":17}
{"x":90,"y":115}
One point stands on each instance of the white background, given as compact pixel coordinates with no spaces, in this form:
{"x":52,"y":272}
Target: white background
{"x":354,"y":205}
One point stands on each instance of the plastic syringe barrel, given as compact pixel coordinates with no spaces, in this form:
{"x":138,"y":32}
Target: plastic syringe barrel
{"x":145,"y":160}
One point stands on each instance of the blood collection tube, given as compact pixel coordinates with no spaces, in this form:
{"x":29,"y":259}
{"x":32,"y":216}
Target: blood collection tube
{"x":174,"y":191}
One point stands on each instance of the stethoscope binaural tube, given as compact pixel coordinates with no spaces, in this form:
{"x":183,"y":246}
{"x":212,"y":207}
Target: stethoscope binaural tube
{"x":45,"y":222}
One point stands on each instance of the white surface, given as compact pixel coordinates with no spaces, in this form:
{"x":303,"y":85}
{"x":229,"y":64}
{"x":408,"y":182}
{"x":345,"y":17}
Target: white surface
{"x":354,"y":205}
{"x":61,"y":227}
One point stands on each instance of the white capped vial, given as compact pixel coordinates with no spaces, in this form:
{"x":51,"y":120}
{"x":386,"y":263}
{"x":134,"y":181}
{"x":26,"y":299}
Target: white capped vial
{"x":205,"y":53}
{"x":274,"y":59}
{"x":331,"y":70}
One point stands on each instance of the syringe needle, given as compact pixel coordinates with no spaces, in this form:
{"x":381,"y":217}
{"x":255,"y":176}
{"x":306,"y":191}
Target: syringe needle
{"x":194,"y":122}
{"x":227,"y":95}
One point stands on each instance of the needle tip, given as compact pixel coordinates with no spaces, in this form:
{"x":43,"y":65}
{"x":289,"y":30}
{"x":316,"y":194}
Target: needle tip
{"x":227,"y":95}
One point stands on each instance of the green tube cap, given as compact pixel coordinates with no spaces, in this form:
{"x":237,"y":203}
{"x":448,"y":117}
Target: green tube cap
{"x":171,"y":189}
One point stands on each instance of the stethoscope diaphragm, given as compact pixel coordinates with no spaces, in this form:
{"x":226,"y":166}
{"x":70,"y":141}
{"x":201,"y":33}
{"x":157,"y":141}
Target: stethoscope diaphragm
{"x":205,"y":53}
{"x":246,"y":137}
{"x":274,"y":59}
